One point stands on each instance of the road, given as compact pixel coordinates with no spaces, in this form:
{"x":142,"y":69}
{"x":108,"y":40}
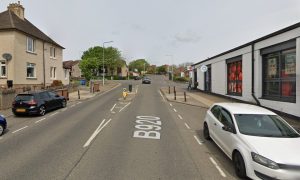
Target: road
{"x":107,"y":137}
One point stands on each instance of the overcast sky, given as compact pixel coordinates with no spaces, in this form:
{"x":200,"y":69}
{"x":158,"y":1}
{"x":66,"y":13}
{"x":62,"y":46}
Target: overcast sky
{"x":188,"y":30}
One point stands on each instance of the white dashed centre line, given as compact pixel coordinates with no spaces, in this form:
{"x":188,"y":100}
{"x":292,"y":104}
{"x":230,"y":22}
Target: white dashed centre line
{"x":218,"y":167}
{"x":180,"y":117}
{"x":40,"y":120}
{"x":53,"y":114}
{"x":187,"y":126}
{"x":198,"y":141}
{"x":175,"y":110}
{"x":171,"y":105}
{"x":20,"y":129}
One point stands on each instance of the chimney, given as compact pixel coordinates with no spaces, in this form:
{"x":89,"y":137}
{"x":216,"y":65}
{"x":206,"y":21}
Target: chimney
{"x":17,"y":8}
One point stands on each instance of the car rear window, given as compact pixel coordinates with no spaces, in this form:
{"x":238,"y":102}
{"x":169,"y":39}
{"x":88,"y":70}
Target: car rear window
{"x":24,"y":97}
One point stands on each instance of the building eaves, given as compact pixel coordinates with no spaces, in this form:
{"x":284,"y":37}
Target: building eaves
{"x":297,"y":25}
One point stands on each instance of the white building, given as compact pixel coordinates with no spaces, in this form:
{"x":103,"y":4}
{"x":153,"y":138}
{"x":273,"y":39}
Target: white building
{"x":265,"y":71}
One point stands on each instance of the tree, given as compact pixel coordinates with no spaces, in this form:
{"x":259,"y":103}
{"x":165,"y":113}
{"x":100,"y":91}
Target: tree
{"x":162,"y":69}
{"x":91,"y":64}
{"x":139,"y":64}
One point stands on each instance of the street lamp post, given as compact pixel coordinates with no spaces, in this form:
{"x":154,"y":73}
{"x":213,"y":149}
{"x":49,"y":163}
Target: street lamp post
{"x":172,"y":65}
{"x":103,"y":69}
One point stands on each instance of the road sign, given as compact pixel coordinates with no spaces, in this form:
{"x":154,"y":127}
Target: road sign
{"x":203,"y":68}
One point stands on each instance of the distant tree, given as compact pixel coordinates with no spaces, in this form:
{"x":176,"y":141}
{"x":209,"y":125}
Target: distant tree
{"x":151,"y":69}
{"x":162,"y":69}
{"x":91,"y":64}
{"x":139,"y":64}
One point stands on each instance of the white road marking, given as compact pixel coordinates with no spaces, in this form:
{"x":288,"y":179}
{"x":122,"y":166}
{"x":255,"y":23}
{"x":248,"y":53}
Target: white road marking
{"x":180,"y":117}
{"x":40,"y":120}
{"x":162,"y":96}
{"x":64,"y":109}
{"x":96,"y":132}
{"x":187,"y":126}
{"x":79,"y":102}
{"x":53,"y":114}
{"x":73,"y":105}
{"x":20,"y":129}
{"x":218,"y":167}
{"x":1,"y":137}
{"x":124,"y":107}
{"x":171,"y":105}
{"x":199,"y":142}
{"x":113,"y":112}
{"x":136,"y":90}
{"x":175,"y":110}
{"x":113,"y":108}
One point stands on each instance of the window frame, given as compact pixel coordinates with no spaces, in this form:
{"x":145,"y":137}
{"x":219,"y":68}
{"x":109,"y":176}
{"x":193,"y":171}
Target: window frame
{"x":52,"y":52}
{"x":280,"y":56}
{"x":28,"y":40}
{"x":31,"y":65}
{"x":52,"y":72}
{"x":3,"y":65}
{"x":229,"y":62}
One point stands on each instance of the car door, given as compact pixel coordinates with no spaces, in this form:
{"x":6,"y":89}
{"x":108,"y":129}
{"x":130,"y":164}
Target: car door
{"x":54,"y":99}
{"x":45,"y":98}
{"x":225,"y":131}
{"x":213,"y":116}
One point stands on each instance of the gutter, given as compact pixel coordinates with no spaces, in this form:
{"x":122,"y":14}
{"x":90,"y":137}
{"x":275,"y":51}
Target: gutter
{"x":252,"y":79}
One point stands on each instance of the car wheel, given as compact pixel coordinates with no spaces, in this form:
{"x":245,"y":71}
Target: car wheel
{"x":1,"y":129}
{"x":42,"y":111}
{"x":63,"y":103}
{"x":239,"y":165}
{"x":206,"y":132}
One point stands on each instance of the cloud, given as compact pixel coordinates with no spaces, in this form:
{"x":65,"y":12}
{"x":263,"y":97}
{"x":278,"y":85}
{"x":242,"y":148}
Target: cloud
{"x":187,"y":37}
{"x":138,"y":27}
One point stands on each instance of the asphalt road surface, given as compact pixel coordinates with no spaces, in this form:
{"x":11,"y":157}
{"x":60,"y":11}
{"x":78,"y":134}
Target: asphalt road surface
{"x":107,"y":137}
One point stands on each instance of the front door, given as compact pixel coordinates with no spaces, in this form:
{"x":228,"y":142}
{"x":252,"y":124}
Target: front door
{"x":207,"y":79}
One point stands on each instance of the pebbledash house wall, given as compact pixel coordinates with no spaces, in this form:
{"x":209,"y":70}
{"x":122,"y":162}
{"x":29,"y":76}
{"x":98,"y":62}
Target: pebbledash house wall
{"x":14,"y":43}
{"x":219,"y":72}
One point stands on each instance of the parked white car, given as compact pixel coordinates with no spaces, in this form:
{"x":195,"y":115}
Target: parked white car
{"x":260,"y":143}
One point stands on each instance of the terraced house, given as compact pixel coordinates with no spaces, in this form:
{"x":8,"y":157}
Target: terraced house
{"x":31,"y":57}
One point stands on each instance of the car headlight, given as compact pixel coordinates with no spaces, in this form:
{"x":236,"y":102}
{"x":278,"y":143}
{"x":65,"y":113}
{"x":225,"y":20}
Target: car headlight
{"x":264,"y":161}
{"x":2,"y":116}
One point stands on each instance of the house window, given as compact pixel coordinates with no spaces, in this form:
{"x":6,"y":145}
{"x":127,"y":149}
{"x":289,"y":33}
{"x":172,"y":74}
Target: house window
{"x":52,"y":72}
{"x":235,"y":76}
{"x":279,"y":75}
{"x":66,"y":73}
{"x":2,"y":69}
{"x":30,"y":70}
{"x":52,"y":52}
{"x":30,"y":45}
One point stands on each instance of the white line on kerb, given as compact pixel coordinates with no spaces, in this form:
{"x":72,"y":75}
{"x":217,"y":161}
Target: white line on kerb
{"x":180,"y":117}
{"x":162,"y":96}
{"x":113,"y":108}
{"x":187,"y":126}
{"x":40,"y":120}
{"x":53,"y":114}
{"x":20,"y":129}
{"x":124,"y":107}
{"x":175,"y":110}
{"x":96,"y":132}
{"x":217,"y":166}
{"x":199,"y":142}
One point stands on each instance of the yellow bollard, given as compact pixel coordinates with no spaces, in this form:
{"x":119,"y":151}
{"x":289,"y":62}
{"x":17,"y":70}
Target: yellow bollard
{"x":124,"y":93}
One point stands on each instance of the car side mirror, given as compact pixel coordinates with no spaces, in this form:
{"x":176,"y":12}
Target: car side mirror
{"x":228,"y":128}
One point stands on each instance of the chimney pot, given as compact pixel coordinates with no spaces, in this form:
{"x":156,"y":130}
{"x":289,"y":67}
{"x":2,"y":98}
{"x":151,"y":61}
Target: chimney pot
{"x":18,"y":9}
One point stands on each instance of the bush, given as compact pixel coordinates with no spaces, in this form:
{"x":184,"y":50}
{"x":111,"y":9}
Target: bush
{"x":56,"y":83}
{"x":181,"y":79}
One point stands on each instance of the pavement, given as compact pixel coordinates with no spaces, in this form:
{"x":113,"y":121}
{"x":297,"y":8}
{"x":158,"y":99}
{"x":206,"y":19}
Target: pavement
{"x":205,"y":100}
{"x":84,"y":94}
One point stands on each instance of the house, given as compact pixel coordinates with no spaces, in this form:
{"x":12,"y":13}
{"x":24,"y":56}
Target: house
{"x":73,"y":66}
{"x":264,"y":71}
{"x":28,"y":57}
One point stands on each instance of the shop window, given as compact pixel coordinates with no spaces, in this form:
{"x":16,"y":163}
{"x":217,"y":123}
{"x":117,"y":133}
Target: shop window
{"x":234,"y":77}
{"x":279,"y":75}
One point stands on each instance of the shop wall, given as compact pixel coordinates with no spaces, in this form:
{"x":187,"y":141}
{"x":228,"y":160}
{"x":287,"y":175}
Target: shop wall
{"x":218,"y":78}
{"x":200,"y":79}
{"x":287,"y":107}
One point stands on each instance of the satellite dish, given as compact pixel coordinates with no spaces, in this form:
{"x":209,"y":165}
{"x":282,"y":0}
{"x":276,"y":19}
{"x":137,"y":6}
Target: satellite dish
{"x":7,"y":56}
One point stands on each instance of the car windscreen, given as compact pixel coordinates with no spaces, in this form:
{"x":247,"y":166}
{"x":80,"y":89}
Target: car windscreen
{"x":24,"y":97}
{"x":264,"y":126}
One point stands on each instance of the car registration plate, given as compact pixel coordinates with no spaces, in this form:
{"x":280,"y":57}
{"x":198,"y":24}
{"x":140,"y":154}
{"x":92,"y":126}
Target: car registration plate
{"x":20,"y":110}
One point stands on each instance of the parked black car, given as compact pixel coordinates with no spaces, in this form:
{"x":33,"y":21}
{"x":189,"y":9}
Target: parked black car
{"x":146,"y":80}
{"x":3,"y":124}
{"x":37,"y":102}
